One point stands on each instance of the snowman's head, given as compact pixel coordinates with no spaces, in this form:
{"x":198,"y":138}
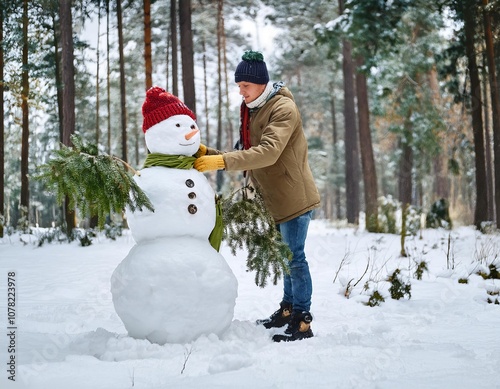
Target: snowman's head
{"x":169,"y":125}
{"x":177,"y":135}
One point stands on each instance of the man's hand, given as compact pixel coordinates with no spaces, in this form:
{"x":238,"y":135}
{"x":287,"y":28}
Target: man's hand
{"x":202,"y":150}
{"x":209,"y":162}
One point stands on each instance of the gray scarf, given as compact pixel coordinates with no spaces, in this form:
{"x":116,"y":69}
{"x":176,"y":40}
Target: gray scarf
{"x":270,"y":91}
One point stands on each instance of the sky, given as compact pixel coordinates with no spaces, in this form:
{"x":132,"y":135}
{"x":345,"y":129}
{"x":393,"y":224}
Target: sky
{"x":261,"y":37}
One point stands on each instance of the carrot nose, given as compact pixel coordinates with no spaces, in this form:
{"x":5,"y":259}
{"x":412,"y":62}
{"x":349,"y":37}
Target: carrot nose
{"x":189,"y":135}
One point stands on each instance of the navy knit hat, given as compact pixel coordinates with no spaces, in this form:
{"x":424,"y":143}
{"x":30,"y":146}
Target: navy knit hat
{"x":252,"y":69}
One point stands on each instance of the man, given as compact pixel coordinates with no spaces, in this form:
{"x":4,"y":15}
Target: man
{"x":273,"y":149}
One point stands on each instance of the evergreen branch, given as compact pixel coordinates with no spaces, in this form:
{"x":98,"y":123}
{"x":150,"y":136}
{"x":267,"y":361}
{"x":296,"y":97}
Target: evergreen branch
{"x":248,"y":224}
{"x":96,"y":184}
{"x":127,"y":165}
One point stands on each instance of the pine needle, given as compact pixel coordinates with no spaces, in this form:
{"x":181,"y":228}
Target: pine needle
{"x":248,"y":224}
{"x":96,"y":184}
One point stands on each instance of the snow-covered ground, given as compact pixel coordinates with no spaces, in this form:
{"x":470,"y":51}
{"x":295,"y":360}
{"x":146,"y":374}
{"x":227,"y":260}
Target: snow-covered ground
{"x":67,"y":334}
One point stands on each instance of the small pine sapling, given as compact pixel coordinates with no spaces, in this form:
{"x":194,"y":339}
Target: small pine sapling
{"x":387,"y":208}
{"x":494,"y":272}
{"x":494,"y":299}
{"x":375,"y":299}
{"x":113,"y":230}
{"x":421,"y":267}
{"x":52,"y":235}
{"x":85,"y":237}
{"x":248,"y":223}
{"x":439,"y":215}
{"x":491,"y":274}
{"x":398,"y":289}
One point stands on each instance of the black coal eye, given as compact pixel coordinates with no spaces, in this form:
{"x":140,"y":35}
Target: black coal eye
{"x":177,"y":125}
{"x":193,"y":126}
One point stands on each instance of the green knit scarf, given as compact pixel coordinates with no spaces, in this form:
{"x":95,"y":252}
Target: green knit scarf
{"x":187,"y":162}
{"x":172,"y":161}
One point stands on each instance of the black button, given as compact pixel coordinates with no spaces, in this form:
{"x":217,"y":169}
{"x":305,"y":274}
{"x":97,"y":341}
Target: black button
{"x":192,"y":209}
{"x":189,"y":183}
{"x":192,"y":195}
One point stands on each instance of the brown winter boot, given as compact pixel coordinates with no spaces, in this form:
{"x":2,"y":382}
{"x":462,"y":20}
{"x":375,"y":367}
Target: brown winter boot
{"x":299,"y":328}
{"x":279,"y":318}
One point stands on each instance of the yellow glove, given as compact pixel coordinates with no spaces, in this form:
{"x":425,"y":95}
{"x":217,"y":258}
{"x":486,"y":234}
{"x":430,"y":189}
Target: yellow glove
{"x":202,"y":150}
{"x":209,"y":162}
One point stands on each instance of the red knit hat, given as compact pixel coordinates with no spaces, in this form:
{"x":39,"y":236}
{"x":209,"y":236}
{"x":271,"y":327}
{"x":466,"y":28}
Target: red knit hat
{"x":160,"y":105}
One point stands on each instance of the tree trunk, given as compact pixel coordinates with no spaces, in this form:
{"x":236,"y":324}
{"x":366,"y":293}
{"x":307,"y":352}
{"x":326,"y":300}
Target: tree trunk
{"x":488,"y":142}
{"x":108,"y":78}
{"x":68,"y":80}
{"x":97,"y":76}
{"x":59,"y":83}
{"x":366,"y":150}
{"x":405,"y":185}
{"x":137,"y":132}
{"x":94,"y":219}
{"x":351,"y":135}
{"x":495,"y":105}
{"x":229,"y":123}
{"x":59,"y":90}
{"x":2,"y":129}
{"x":350,"y":139}
{"x":173,"y":37}
{"x":123,"y":94}
{"x":441,"y":186}
{"x":334,"y":169}
{"x":67,"y":71}
{"x":220,"y":178}
{"x":147,"y":44}
{"x":481,"y":211}
{"x":205,"y":93}
{"x":25,"y":118}
{"x":187,"y":54}
{"x":440,"y":177}
{"x":219,"y":76}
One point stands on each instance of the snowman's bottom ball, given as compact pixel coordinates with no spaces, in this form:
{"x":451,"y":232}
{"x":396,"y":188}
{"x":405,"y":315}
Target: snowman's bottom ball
{"x":174,"y":290}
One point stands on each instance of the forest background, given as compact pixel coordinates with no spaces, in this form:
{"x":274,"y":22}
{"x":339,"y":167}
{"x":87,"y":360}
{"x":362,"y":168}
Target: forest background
{"x":399,"y":99}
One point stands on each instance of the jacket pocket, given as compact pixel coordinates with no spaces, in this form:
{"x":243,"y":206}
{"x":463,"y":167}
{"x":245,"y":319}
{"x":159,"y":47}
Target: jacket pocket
{"x":279,"y":172}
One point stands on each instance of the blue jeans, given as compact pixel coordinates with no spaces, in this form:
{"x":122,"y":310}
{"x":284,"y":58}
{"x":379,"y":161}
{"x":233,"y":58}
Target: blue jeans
{"x":297,"y":288}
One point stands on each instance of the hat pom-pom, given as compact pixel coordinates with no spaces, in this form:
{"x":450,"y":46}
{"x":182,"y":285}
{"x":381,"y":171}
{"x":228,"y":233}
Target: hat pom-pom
{"x":252,"y":56}
{"x":154,"y":91}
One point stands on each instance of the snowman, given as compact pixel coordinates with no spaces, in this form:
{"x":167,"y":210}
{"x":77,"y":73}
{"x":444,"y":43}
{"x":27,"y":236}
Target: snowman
{"x":173,"y":286}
